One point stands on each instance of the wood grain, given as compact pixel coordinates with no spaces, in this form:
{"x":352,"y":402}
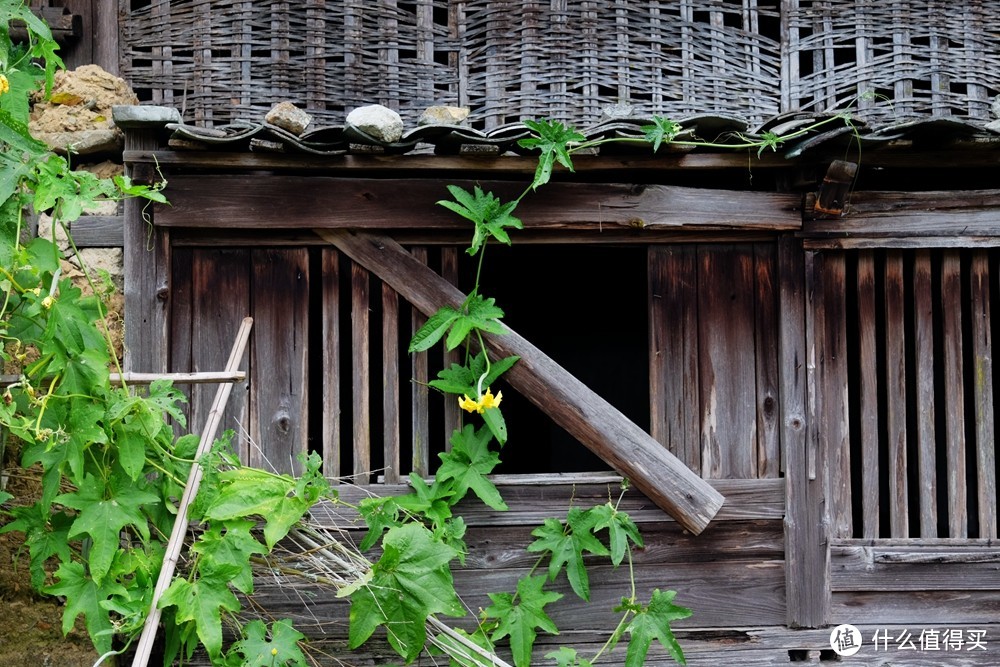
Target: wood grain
{"x":868,"y":394}
{"x":571,"y":404}
{"x":895,"y":378}
{"x":286,"y":202}
{"x":360,"y":374}
{"x":982,"y":353}
{"x":331,"y":338}
{"x":923,"y":325}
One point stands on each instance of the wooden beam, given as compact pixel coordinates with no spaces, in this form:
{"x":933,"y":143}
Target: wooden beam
{"x":973,"y":213}
{"x":249,"y":201}
{"x":574,"y":406}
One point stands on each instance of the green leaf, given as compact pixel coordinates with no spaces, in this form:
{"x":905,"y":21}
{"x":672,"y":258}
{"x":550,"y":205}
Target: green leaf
{"x":248,"y":492}
{"x":567,"y":657}
{"x":411,"y":581}
{"x":495,"y":422}
{"x":433,"y":330}
{"x":84,"y":595}
{"x":468,"y":463}
{"x":462,"y":380}
{"x":553,"y":140}
{"x":379,"y":514}
{"x":280,"y":650}
{"x":490,"y":215}
{"x":230,"y":546}
{"x":621,"y":529}
{"x":663,"y":130}
{"x":478,"y":314}
{"x":651,"y":623}
{"x":566,"y":545}
{"x":201,"y":602}
{"x":521,"y":614}
{"x":433,"y":501}
{"x":45,"y":535}
{"x":104,"y":511}
{"x":16,"y":133}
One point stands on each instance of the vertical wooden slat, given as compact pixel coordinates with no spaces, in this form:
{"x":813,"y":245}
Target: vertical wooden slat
{"x":360,"y":363}
{"x":146,"y":276}
{"x":280,"y":397}
{"x":452,"y":416}
{"x":331,"y":421}
{"x":923,"y":327}
{"x":954,"y":396}
{"x":673,"y":350}
{"x":390,"y":383}
{"x":726,"y":362}
{"x":220,"y":299}
{"x":807,"y":559}
{"x":868,"y":426}
{"x":768,"y":435}
{"x":182,"y":325}
{"x":420,"y":397}
{"x":982,"y":354}
{"x":833,"y":426}
{"x":895,"y":378}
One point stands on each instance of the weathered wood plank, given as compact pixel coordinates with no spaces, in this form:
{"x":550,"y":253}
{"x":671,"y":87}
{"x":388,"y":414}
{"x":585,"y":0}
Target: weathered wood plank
{"x":321,"y":202}
{"x":726,"y":362}
{"x":181,"y":324}
{"x":390,"y":384}
{"x":923,"y":326}
{"x":868,"y":394}
{"x":98,"y":231}
{"x":570,"y":403}
{"x":279,"y":428}
{"x":477,"y":164}
{"x":954,"y":396}
{"x":922,"y":608}
{"x":673,"y":360}
{"x":534,"y":499}
{"x":895,"y":378}
{"x":982,"y":354}
{"x":834,"y":427}
{"x":862,"y":243}
{"x":881,"y":214}
{"x":332,"y":418}
{"x":146,"y":277}
{"x":360,"y":373}
{"x":806,"y":555}
{"x":769,"y":463}
{"x":876,"y":568}
{"x":452,"y":416}
{"x":220,"y":299}
{"x":419,"y":391}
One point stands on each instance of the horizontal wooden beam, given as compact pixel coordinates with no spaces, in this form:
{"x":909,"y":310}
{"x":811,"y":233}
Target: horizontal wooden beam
{"x":98,"y":231}
{"x":424,"y":163}
{"x":968,"y":214}
{"x":671,"y":485}
{"x":253,"y":201}
{"x":916,"y":568}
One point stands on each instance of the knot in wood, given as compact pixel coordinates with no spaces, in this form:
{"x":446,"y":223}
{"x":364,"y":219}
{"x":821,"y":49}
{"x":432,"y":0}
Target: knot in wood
{"x":636,"y":223}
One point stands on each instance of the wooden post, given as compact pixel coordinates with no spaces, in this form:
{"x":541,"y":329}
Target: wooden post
{"x":807,"y":554}
{"x":593,"y":421}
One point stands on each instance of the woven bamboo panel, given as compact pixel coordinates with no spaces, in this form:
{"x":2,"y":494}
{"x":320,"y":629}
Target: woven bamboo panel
{"x":506,"y":60}
{"x":892,"y":59}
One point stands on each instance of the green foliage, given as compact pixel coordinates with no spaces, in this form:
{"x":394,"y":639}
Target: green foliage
{"x":553,"y":140}
{"x":652,"y":623}
{"x":490,"y":216}
{"x":468,"y":464}
{"x":521,"y":614}
{"x":663,"y":130}
{"x":280,"y":650}
{"x":411,"y":581}
{"x":565,"y":543}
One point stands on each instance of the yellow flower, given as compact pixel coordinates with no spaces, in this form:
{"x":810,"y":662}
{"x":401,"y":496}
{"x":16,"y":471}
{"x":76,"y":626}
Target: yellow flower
{"x":4,"y":85}
{"x":484,"y":402}
{"x":47,"y":302}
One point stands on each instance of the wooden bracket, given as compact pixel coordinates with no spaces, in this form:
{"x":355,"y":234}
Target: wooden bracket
{"x":830,"y":200}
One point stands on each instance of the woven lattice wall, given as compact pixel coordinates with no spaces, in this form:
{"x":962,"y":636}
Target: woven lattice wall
{"x":565,"y":59}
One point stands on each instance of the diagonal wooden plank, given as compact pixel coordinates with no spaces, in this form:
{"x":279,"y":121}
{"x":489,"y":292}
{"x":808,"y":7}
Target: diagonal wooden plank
{"x":593,"y":421}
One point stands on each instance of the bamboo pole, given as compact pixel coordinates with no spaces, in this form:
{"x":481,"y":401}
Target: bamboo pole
{"x":145,"y":645}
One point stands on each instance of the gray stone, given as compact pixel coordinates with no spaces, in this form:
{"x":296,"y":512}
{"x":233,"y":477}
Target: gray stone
{"x":289,"y":117}
{"x":443,"y":115}
{"x":994,"y":126}
{"x":84,"y":142}
{"x":995,"y":107}
{"x":618,"y":111}
{"x":379,"y":122}
{"x":143,"y":116}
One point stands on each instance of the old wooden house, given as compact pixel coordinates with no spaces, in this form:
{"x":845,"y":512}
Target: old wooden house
{"x":794,"y":349}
